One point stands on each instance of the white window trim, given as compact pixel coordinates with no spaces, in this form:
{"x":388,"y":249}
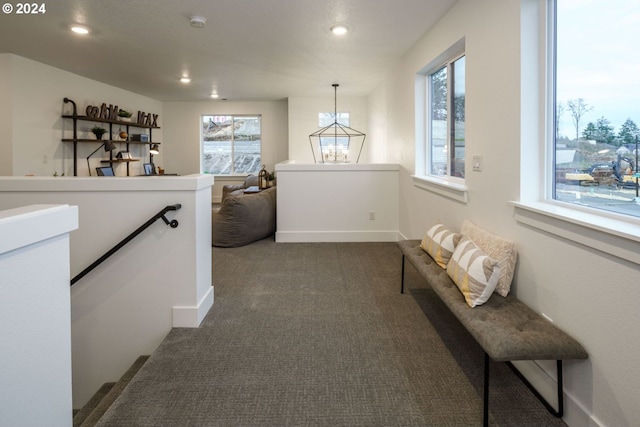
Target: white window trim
{"x":616,"y":237}
{"x":609,"y":233}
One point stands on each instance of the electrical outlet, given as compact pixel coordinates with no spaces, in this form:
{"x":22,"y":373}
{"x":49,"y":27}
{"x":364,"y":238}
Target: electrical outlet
{"x":372,"y":216}
{"x":45,"y":159}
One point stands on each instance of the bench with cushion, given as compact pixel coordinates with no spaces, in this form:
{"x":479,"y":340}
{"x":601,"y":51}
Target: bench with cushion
{"x":505,"y":328}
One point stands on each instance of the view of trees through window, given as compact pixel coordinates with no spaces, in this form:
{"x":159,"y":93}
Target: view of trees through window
{"x":597,"y":104}
{"x":447,"y":119}
{"x":231,"y":144}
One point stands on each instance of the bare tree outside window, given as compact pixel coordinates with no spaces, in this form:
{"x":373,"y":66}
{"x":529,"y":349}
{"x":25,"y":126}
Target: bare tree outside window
{"x":578,"y":108}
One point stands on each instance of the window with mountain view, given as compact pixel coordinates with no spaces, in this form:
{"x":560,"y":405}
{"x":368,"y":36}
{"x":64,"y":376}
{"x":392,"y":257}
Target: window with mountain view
{"x":597,"y":104}
{"x":231,"y":145}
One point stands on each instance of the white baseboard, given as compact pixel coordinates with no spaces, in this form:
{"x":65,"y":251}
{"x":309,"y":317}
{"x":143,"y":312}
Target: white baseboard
{"x":336,"y":236}
{"x":191,"y":317}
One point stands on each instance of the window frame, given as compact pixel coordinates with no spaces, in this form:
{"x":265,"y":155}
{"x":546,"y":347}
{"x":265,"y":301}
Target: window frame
{"x":450,"y":141}
{"x":451,"y":187}
{"x":551,"y":188}
{"x":607,"y":232}
{"x":233,"y":173}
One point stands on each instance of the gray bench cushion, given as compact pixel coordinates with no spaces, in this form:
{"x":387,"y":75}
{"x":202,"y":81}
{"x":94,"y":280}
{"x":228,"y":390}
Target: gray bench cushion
{"x":505,"y":328}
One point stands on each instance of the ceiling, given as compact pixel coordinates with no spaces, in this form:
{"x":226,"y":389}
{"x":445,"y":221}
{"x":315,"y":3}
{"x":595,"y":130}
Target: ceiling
{"x":248,"y":49}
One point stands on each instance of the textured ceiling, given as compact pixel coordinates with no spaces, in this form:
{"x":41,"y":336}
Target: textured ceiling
{"x":248,"y":50}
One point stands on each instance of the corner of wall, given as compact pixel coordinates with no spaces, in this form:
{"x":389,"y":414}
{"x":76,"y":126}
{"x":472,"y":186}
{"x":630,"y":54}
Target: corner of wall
{"x":6,"y":116}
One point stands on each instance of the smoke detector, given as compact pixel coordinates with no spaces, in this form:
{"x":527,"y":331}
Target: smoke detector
{"x":197,"y":21}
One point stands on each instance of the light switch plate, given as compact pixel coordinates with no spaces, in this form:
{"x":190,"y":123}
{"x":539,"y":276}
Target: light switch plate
{"x":477,"y":162}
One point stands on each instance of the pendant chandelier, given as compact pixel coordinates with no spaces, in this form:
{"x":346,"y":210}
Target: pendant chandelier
{"x":336,"y":143}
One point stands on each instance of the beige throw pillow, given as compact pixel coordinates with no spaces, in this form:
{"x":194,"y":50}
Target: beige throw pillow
{"x":439,"y":243}
{"x":498,"y":248}
{"x":473,"y":272}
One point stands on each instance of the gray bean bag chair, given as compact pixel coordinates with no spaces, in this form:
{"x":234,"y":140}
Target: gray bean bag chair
{"x":244,"y":218}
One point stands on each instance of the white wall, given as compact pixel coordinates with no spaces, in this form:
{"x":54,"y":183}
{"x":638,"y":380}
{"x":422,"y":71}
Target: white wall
{"x":589,"y":294}
{"x":303,"y":120}
{"x":36,"y":128}
{"x":337,"y":203}
{"x":183,"y":124}
{"x":161,"y":279}
{"x":34,"y":309}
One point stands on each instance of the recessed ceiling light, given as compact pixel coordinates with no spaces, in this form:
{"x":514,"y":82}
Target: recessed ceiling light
{"x":80,"y":29}
{"x":214,"y":95}
{"x":185,"y":79}
{"x":198,"y":21}
{"x":339,"y":30}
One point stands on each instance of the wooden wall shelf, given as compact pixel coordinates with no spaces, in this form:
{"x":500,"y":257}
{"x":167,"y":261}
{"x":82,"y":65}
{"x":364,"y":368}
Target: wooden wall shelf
{"x":127,"y":124}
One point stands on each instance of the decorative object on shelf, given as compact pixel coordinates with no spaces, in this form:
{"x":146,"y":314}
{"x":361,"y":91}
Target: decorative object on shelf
{"x":103,"y":112}
{"x":124,"y":155}
{"x":98,"y":131}
{"x":142,"y":137}
{"x":147,"y":119}
{"x":108,"y":146}
{"x":113,"y":113}
{"x":105,"y":171}
{"x":124,"y":115}
{"x":155,"y":149}
{"x":148,"y":169}
{"x":263,"y":178}
{"x":336,"y":143}
{"x":122,"y":134}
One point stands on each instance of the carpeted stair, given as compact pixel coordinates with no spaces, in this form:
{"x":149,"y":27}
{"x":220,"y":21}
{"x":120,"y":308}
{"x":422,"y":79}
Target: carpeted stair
{"x":91,"y":413}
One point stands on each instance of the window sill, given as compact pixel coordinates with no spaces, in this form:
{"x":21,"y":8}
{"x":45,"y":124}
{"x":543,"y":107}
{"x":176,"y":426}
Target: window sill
{"x":452,"y":190}
{"x":612,"y":236}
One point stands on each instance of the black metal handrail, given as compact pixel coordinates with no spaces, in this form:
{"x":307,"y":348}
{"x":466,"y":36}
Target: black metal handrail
{"x":173,"y":224}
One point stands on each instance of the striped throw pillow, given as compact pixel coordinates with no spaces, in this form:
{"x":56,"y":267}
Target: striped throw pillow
{"x":439,"y":243}
{"x":474,"y":273}
{"x":496,"y":247}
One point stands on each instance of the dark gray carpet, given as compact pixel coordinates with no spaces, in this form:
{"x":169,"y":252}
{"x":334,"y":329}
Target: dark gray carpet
{"x":317,"y":334}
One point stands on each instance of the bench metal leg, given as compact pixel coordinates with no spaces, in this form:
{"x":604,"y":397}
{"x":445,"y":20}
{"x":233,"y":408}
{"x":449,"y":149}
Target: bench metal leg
{"x":485,"y":418}
{"x":557,"y":413}
{"x":402,"y":280}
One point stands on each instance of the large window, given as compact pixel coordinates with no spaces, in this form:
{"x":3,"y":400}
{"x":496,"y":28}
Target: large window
{"x":446,"y":117}
{"x":596,"y":104}
{"x":231,"y":144}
